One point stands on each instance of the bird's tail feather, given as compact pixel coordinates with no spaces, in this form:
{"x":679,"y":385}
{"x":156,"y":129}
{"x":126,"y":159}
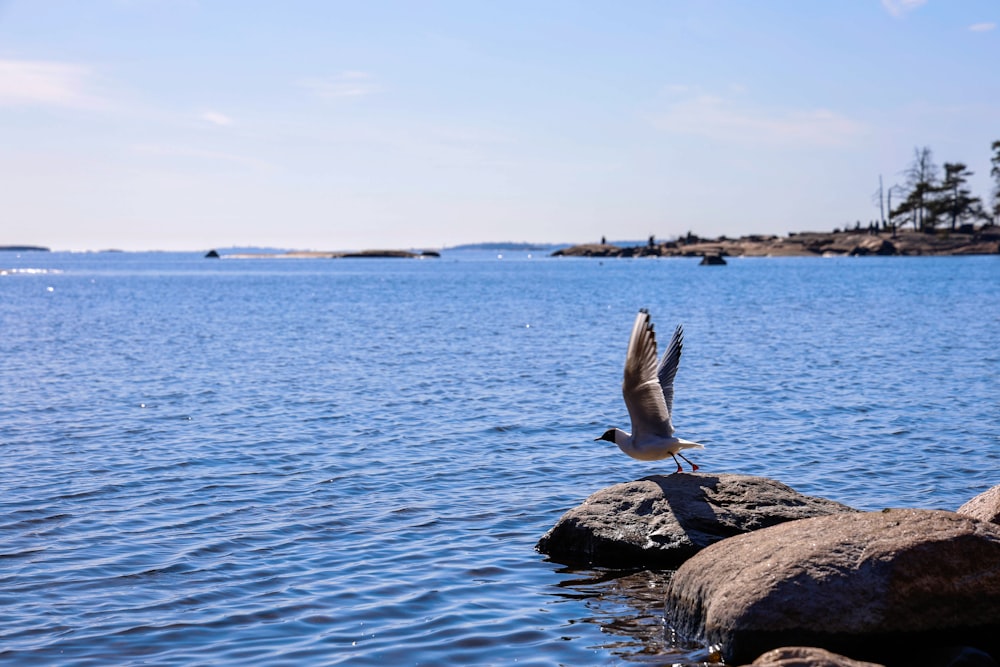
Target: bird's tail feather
{"x":687,"y":444}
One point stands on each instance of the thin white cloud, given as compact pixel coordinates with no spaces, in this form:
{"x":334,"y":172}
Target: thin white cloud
{"x":721,"y":119}
{"x":982,"y":27}
{"x":350,"y":84}
{"x":46,"y":83}
{"x":899,"y":8}
{"x":217,"y":118}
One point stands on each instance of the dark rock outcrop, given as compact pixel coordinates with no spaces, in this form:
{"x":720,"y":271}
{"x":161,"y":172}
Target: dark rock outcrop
{"x":886,"y":586}
{"x":589,"y":250}
{"x":661,"y":521}
{"x":712,"y":260}
{"x":365,"y":254}
{"x":212,"y":254}
{"x":988,"y":234}
{"x":873,"y":245}
{"x":985,"y":506}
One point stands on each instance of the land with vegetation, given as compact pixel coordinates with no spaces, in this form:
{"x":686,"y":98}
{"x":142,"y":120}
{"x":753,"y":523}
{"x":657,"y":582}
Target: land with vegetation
{"x":967,"y":240}
{"x":936,"y":214}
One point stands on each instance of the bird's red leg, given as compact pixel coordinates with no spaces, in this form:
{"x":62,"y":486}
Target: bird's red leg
{"x":679,"y":468}
{"x":693,"y":466}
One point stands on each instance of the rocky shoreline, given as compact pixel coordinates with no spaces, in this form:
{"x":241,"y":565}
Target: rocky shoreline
{"x":763,"y":571}
{"x":967,"y":241}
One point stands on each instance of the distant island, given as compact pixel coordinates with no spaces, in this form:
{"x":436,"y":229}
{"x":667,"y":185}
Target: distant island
{"x":967,"y":240}
{"x":318,"y":254}
{"x":23,"y":248}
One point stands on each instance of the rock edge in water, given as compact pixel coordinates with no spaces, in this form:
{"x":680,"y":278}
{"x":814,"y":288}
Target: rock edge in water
{"x":985,"y":506}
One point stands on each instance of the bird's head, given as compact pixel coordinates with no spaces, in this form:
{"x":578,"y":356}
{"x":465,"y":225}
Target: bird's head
{"x":608,"y":435}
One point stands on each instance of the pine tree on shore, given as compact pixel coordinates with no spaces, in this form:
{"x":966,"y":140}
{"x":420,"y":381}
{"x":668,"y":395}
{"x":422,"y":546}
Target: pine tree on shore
{"x":953,"y":199}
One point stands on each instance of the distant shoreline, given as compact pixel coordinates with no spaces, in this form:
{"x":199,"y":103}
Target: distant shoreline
{"x":982,"y":241}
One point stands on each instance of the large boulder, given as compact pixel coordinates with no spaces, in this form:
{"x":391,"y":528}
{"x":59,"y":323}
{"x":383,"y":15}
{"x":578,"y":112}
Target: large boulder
{"x":874,"y":586}
{"x":661,"y":521}
{"x":985,"y":506}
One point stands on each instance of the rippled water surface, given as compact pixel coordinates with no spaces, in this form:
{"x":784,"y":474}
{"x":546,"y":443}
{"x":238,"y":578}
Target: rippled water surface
{"x":350,"y":461}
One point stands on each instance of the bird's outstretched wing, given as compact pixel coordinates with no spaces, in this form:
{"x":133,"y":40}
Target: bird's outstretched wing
{"x":641,"y":386}
{"x":668,"y":369}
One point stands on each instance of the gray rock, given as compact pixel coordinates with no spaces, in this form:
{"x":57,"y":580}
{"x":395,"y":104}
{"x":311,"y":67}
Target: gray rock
{"x":873,"y":245}
{"x":806,"y":656}
{"x":985,"y":506}
{"x":874,"y":586}
{"x":661,"y":521}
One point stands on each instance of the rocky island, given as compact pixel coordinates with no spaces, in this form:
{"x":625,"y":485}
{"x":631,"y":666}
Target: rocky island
{"x":319,"y":254}
{"x":967,"y":240}
{"x":23,"y":248}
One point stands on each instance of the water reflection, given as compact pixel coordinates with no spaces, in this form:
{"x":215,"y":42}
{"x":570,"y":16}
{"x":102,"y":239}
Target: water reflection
{"x":628,"y":606}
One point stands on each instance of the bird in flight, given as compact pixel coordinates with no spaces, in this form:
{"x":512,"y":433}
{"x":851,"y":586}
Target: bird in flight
{"x":648,"y":389}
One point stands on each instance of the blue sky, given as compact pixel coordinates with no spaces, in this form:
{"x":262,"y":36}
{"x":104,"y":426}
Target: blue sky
{"x":192,"y":124}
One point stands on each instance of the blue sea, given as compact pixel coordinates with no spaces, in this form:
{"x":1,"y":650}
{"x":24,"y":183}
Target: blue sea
{"x":320,"y":462}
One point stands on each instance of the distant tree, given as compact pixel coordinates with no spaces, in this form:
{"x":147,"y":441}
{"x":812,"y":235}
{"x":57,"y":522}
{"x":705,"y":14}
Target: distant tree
{"x":995,"y":173}
{"x":921,"y":184}
{"x":953,"y":200}
{"x":879,"y":196}
{"x":897,"y":217}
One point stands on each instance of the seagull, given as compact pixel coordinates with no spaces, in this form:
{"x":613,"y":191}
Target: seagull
{"x":648,"y":389}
